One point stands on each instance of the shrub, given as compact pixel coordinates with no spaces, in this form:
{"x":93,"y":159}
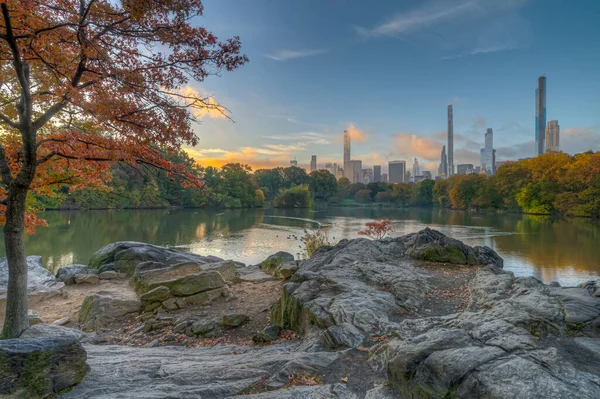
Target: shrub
{"x":295,"y":197}
{"x":314,"y":239}
{"x":377,"y":229}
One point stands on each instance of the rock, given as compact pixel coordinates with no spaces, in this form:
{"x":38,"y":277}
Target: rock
{"x":157,"y":294}
{"x":204,"y":298}
{"x":153,"y":344}
{"x":253,"y":274}
{"x":204,"y":328}
{"x":343,"y":335}
{"x":170,"y":304}
{"x":86,"y":279}
{"x":151,"y":306}
{"x":34,"y":317}
{"x":107,"y":267}
{"x":67,"y":274}
{"x":234,"y":320}
{"x":267,"y":335}
{"x":62,"y":321}
{"x":108,"y":275}
{"x":40,"y":367}
{"x":51,"y":331}
{"x":192,"y":283}
{"x":41,"y":284}
{"x":125,"y":256}
{"x":335,"y":391}
{"x":104,"y":307}
{"x":280,"y":265}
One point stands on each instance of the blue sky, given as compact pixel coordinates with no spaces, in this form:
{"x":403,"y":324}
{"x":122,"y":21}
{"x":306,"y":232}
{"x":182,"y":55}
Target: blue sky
{"x":388,"y":69}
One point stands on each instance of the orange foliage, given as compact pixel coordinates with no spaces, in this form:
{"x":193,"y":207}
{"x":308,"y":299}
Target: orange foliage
{"x":377,"y":229}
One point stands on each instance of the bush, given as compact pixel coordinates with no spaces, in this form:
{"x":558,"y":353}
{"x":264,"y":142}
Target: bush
{"x":295,"y":197}
{"x":314,"y":239}
{"x":377,"y":229}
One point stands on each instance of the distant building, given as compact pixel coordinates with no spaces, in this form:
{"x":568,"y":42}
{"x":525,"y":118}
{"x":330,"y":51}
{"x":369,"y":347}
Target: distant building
{"x":552,"y":136}
{"x":443,"y":168}
{"x":426,"y":175}
{"x":500,"y":163}
{"x":540,"y":115}
{"x":407,"y":176}
{"x":488,"y":154}
{"x":384,"y":177}
{"x":347,"y":159}
{"x":416,"y":171}
{"x":450,"y":167}
{"x":313,"y":163}
{"x":465,"y":169}
{"x":293,"y":162}
{"x":355,"y":172}
{"x":397,"y":169}
{"x":367,"y":176}
{"x":377,"y":173}
{"x":329,"y":168}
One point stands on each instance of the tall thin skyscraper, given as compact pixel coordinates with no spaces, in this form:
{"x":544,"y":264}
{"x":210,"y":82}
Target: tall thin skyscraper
{"x":313,"y":163}
{"x":348,"y":173}
{"x":540,"y":115}
{"x":552,"y":136}
{"x":377,"y":173}
{"x":443,"y":168}
{"x":450,"y":170}
{"x":488,"y":158}
{"x":416,"y":170}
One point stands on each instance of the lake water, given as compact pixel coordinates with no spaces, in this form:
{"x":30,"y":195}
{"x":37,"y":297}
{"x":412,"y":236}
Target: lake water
{"x":567,"y":251}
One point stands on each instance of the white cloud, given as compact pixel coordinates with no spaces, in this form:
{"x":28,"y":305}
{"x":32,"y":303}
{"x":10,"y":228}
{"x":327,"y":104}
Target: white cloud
{"x":284,"y":55}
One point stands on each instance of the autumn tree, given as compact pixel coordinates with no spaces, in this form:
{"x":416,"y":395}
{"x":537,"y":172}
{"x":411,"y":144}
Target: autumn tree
{"x":85,"y":83}
{"x":377,"y":229}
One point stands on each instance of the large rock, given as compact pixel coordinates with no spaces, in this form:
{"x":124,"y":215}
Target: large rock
{"x":125,"y":256}
{"x":104,"y":307}
{"x":280,"y":265}
{"x":192,"y":283}
{"x":40,"y":367}
{"x":51,"y":331}
{"x":41,"y":284}
{"x":67,"y":274}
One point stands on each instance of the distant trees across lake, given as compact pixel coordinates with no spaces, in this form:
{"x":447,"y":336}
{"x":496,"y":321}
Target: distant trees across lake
{"x":547,"y":184}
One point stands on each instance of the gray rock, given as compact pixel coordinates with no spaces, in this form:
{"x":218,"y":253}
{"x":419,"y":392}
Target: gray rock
{"x":108,"y":275}
{"x":253,"y":274}
{"x":67,"y":274}
{"x":86,"y":279}
{"x":335,"y":391}
{"x":204,"y":328}
{"x":127,"y":255}
{"x":234,"y":320}
{"x":206,"y":297}
{"x":157,"y":294}
{"x":62,"y":321}
{"x":343,"y":335}
{"x":267,"y":335}
{"x":104,"y":307}
{"x":41,"y":284}
{"x":40,"y":367}
{"x":280,"y":265}
{"x":192,"y":283}
{"x":51,"y":331}
{"x":34,"y":317}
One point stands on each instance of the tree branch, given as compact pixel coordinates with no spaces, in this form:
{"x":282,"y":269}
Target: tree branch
{"x":6,"y":120}
{"x":50,"y":112}
{"x":5,"y":168}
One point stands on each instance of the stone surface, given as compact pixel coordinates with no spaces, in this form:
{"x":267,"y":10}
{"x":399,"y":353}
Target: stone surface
{"x":174,"y":372}
{"x":192,"y":283}
{"x":125,"y":256}
{"x":104,"y":307}
{"x":51,"y":331}
{"x":280,"y":265}
{"x":157,"y":294}
{"x":66,"y":274}
{"x":86,"y":279}
{"x":108,"y":275}
{"x":40,"y":367}
{"x":34,"y":317}
{"x":253,"y":274}
{"x":206,"y":297}
{"x":267,"y":335}
{"x":234,"y":319}
{"x":41,"y":284}
{"x":344,"y":335}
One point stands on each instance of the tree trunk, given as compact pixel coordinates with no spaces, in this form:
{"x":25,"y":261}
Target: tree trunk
{"x":16,"y":320}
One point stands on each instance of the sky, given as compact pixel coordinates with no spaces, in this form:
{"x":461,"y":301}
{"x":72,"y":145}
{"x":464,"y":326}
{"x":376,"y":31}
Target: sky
{"x":387,"y":70}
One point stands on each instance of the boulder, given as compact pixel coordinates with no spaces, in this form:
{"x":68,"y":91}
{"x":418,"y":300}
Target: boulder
{"x":104,"y":307}
{"x":206,"y":297}
{"x":267,"y":335}
{"x":280,"y":265}
{"x":108,"y":275}
{"x":41,"y":284}
{"x":67,"y":274}
{"x":192,"y":283}
{"x":51,"y":331}
{"x":86,"y":279}
{"x":34,"y":317}
{"x":204,"y":328}
{"x":40,"y":367}
{"x":157,"y":294}
{"x":125,"y":256}
{"x":344,"y":335}
{"x":234,"y":320}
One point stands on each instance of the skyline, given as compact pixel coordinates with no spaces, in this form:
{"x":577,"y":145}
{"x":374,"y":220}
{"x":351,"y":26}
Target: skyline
{"x":388,"y":81}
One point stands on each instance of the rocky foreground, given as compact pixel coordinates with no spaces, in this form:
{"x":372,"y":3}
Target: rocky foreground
{"x":418,"y":316}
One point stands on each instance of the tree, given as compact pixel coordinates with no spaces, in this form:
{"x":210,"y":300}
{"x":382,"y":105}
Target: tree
{"x":295,"y":197}
{"x":424,"y":192}
{"x":377,"y":229}
{"x":295,"y":176}
{"x":322,"y":185}
{"x":271,"y":180}
{"x":363,"y":196}
{"x":237,"y":183}
{"x":80,"y":90}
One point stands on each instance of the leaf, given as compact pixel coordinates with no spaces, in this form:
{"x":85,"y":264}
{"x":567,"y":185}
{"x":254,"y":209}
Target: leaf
{"x":345,"y":379}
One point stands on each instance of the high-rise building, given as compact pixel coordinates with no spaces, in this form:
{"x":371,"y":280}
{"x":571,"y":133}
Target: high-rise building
{"x":397,"y":169}
{"x":540,"y":115}
{"x":347,"y":168}
{"x":355,"y":168}
{"x":377,"y":173}
{"x":384,"y":177}
{"x":367,"y":176}
{"x":416,"y":171}
{"x":552,"y":136}
{"x":443,"y":168}
{"x":313,"y":163}
{"x":293,"y":162}
{"x":407,"y":176}
{"x":450,"y":168}
{"x":464,"y":169}
{"x":426,"y":175}
{"x":488,"y":154}
{"x":329,"y":168}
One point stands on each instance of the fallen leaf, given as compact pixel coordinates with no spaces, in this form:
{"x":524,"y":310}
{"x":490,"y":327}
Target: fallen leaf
{"x":345,"y":379}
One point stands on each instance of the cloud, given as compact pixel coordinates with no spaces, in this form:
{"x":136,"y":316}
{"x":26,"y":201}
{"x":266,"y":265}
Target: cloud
{"x":286,"y":147}
{"x":481,"y":51}
{"x":256,"y":158}
{"x":576,"y":140}
{"x":305,"y":138}
{"x":356,"y":134}
{"x":284,"y":55}
{"x":409,"y":146}
{"x":202,"y":105}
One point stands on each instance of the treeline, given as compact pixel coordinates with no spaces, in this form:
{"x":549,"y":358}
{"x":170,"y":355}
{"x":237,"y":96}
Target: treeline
{"x":547,"y":184}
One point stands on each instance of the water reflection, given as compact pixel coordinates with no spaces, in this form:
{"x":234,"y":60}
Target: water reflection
{"x":552,"y":250}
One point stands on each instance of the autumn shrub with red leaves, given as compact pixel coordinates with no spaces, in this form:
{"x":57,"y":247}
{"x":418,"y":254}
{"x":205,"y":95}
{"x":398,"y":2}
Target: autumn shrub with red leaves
{"x":377,"y":229}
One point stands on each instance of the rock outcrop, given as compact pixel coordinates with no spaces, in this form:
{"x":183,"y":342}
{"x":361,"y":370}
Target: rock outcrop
{"x":104,"y":307}
{"x":67,"y":274}
{"x":280,"y":265}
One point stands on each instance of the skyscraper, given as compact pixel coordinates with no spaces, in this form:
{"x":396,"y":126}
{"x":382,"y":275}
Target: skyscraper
{"x":356,"y":172}
{"x":450,"y":169}
{"x":540,"y":115}
{"x":397,"y":169}
{"x":313,"y":163}
{"x":416,"y":170}
{"x":488,"y":156}
{"x":443,"y":168}
{"x":377,"y":173}
{"x":347,"y":168}
{"x":552,"y":136}
{"x":293,"y":162}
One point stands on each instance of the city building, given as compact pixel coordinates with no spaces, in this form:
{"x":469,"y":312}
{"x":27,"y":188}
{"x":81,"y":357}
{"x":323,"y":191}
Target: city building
{"x":465,"y":169}
{"x":377,"y":173}
{"x":450,"y":167}
{"x":488,"y":154}
{"x":347,"y":167}
{"x":367,"y":176}
{"x":443,"y":168}
{"x":339,"y":172}
{"x":552,"y":136}
{"x":329,"y":168}
{"x":355,"y":171}
{"x":426,"y":175}
{"x":313,"y":163}
{"x":384,"y":177}
{"x":293,"y":162}
{"x":397,"y":170}
{"x":540,"y":115}
{"x":416,"y":170}
{"x":407,"y":176}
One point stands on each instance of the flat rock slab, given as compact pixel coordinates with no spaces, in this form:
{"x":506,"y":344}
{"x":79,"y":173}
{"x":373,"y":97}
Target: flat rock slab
{"x":218,"y":372}
{"x":104,"y":307}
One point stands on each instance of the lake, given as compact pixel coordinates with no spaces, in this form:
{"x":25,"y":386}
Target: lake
{"x":567,"y":251}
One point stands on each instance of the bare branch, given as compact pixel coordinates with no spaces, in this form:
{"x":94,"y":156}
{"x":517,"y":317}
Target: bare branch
{"x":6,"y":120}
